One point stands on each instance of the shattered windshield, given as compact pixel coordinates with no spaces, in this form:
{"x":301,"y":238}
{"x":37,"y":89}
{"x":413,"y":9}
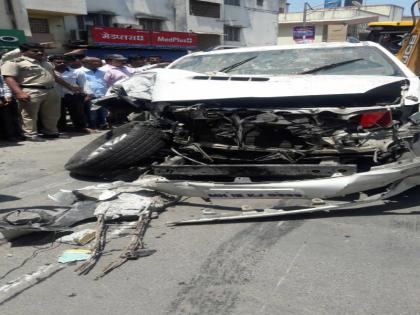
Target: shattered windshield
{"x":314,"y":61}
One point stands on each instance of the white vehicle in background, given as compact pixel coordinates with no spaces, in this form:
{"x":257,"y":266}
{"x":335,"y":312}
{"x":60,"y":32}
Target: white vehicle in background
{"x":315,"y":122}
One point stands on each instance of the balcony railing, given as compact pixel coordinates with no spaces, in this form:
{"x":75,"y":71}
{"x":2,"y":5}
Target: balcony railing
{"x":42,"y":38}
{"x":57,"y":7}
{"x":205,"y":25}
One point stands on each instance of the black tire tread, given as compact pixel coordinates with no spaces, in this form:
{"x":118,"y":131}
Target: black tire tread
{"x":142,"y":142}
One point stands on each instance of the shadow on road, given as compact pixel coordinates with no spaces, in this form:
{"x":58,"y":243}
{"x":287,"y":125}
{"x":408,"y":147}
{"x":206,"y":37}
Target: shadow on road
{"x":4,"y":144}
{"x":207,"y":205}
{"x":37,"y":239}
{"x":125,"y":175}
{"x":5,"y":198}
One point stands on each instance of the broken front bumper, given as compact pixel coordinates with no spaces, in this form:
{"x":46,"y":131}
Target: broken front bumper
{"x":388,"y":180}
{"x":400,"y":176}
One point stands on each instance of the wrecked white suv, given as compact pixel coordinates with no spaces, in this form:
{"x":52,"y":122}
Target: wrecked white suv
{"x":305,"y":121}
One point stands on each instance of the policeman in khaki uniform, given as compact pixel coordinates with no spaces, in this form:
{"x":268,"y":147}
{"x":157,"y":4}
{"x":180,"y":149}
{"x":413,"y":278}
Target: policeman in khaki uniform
{"x":32,"y":81}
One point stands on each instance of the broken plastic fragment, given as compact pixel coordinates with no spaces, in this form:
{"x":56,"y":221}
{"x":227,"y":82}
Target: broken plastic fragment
{"x":125,"y":205}
{"x":107,"y":194}
{"x":64,"y":197}
{"x":71,"y":255}
{"x":78,"y":238}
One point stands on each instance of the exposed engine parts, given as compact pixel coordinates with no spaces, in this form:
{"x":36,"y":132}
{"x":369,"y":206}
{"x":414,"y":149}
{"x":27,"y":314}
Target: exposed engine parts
{"x":288,"y":136}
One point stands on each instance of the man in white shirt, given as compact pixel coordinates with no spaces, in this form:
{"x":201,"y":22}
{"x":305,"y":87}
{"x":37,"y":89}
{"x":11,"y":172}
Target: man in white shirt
{"x":97,"y":87}
{"x":66,"y":68}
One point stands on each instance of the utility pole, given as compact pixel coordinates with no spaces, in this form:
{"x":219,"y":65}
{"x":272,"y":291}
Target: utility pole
{"x":10,"y":9}
{"x":306,"y":7}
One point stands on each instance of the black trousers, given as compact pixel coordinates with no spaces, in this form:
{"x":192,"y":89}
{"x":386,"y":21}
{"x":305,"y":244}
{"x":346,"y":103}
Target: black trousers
{"x":9,"y":121}
{"x":74,"y":104}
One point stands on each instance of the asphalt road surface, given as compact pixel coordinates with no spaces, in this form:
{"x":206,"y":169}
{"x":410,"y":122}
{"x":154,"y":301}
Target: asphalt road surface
{"x":364,"y":261}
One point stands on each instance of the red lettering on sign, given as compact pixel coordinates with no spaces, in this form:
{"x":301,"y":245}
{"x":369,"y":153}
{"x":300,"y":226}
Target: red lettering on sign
{"x":120,"y":36}
{"x":133,"y":37}
{"x":174,"y":39}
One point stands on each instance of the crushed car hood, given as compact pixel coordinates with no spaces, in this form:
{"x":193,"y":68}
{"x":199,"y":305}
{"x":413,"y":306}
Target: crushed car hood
{"x":179,"y":85}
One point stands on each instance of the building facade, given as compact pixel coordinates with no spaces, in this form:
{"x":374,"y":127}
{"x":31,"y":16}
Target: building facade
{"x":214,"y":22}
{"x":334,"y":24}
{"x":41,"y":20}
{"x":283,"y":6}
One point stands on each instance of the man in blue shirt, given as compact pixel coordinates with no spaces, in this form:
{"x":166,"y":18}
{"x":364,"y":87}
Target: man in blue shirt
{"x":98,"y":87}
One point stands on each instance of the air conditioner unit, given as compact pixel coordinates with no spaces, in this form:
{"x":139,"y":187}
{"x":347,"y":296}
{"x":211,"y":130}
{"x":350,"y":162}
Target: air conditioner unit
{"x":78,"y":35}
{"x":126,"y":25}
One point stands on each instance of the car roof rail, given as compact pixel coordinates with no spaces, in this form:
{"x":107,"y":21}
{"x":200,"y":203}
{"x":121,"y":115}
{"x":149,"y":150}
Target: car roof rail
{"x":222,"y":47}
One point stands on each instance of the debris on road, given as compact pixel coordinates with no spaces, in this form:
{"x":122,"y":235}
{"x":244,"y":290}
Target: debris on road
{"x":125,"y":205}
{"x":115,"y":200}
{"x":140,"y":202}
{"x":106,"y":202}
{"x":72,"y":255}
{"x":135,"y":248}
{"x":50,"y":219}
{"x":97,"y":248}
{"x":78,"y":238}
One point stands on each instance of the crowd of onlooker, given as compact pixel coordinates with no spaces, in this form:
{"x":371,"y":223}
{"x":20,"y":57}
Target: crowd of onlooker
{"x":46,"y":97}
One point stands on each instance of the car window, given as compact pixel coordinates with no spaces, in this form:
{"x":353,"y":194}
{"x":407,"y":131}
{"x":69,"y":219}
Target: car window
{"x":371,"y":61}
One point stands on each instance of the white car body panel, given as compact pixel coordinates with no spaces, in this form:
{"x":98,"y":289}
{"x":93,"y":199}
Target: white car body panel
{"x":166,"y":85}
{"x":178,"y":85}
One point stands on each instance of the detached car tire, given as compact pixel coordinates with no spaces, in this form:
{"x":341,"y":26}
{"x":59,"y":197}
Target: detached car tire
{"x":119,"y":148}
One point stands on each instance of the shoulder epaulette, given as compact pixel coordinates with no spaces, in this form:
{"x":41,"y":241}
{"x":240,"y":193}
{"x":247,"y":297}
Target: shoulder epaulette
{"x":17,"y":59}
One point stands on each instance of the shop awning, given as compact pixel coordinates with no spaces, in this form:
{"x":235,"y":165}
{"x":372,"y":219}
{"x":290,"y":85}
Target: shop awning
{"x":150,"y":16}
